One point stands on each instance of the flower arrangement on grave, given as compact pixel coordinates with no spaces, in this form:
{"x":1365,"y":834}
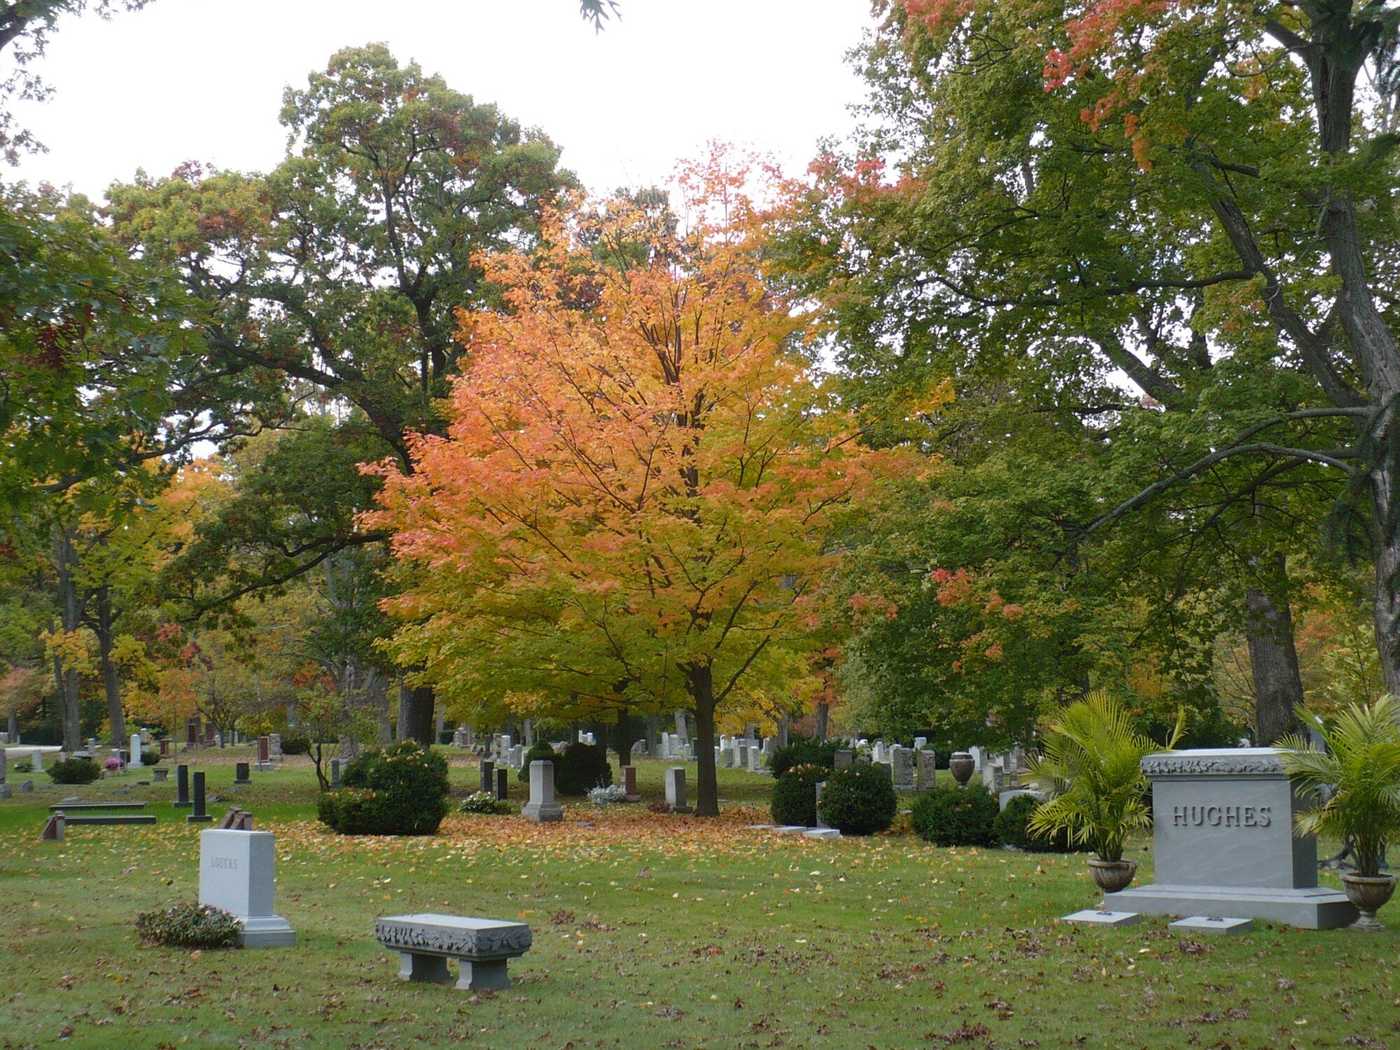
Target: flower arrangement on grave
{"x":113,"y":764}
{"x":1091,"y":767}
{"x":604,"y":796}
{"x":188,"y":925}
{"x":1355,"y":782}
{"x":486,"y":803}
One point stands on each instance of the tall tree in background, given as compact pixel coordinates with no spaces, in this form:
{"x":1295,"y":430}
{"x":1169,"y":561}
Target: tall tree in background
{"x":631,"y":505}
{"x":1272,"y":236}
{"x":340,"y":272}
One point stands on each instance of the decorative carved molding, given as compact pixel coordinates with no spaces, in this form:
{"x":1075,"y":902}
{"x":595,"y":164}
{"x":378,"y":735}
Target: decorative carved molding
{"x":1212,"y":765}
{"x":455,"y":942}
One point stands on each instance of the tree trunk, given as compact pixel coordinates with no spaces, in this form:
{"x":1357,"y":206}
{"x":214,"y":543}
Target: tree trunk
{"x":821,"y":720}
{"x":1278,"y":687}
{"x":700,"y":684}
{"x":111,"y":681}
{"x":416,"y":714}
{"x":1385,"y":501}
{"x":67,"y":677}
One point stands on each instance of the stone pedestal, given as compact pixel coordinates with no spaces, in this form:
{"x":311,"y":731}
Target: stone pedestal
{"x":1223,"y":843}
{"x":236,"y":873}
{"x":542,"y":806}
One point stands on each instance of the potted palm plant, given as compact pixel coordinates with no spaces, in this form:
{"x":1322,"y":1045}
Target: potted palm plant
{"x":1356,"y":785}
{"x":1090,"y":766}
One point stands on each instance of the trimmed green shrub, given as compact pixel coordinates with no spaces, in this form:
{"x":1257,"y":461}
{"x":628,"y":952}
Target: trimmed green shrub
{"x":296,"y":744}
{"x":795,"y":795}
{"x":539,"y":752}
{"x":1011,"y":829}
{"x":485,"y":802}
{"x":581,"y":768}
{"x":188,"y":925}
{"x":803,"y":751}
{"x":150,"y":756}
{"x":859,"y":800}
{"x":399,"y":791}
{"x":954,"y":816}
{"x":74,"y":771}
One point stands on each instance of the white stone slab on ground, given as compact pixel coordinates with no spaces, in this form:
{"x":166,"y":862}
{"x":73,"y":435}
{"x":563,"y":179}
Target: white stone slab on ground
{"x":821,"y":833}
{"x":790,"y":829}
{"x":1094,"y":917}
{"x":1211,"y":924}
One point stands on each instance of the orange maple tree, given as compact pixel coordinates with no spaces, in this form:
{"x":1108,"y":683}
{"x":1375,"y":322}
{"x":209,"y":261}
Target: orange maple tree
{"x":634,"y":502}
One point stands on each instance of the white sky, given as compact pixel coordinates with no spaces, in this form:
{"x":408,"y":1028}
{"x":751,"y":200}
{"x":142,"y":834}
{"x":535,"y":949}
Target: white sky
{"x":203,"y":79}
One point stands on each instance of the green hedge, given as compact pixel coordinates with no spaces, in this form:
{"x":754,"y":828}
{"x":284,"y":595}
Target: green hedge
{"x":539,"y":752}
{"x":859,"y":800}
{"x":954,"y":816}
{"x":1011,"y":829}
{"x":400,"y":791}
{"x":795,"y":795}
{"x":803,"y":751}
{"x":74,"y":771}
{"x":581,"y":768}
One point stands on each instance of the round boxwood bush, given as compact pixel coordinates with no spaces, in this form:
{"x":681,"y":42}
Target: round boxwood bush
{"x":859,"y":800}
{"x":803,"y":751}
{"x":954,"y":816}
{"x":188,"y":925}
{"x":74,"y":771}
{"x":150,"y":756}
{"x":795,"y":795}
{"x":1011,"y":828}
{"x":399,"y":791}
{"x":539,"y":752}
{"x":296,"y":744}
{"x":581,"y":768}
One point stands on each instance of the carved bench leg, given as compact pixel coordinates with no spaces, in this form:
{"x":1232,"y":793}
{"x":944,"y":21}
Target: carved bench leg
{"x":487,"y":976}
{"x":433,"y":968}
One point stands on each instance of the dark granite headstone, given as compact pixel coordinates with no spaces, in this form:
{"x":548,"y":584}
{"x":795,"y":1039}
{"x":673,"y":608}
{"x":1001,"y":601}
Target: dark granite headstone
{"x":182,"y":785}
{"x":200,"y":814}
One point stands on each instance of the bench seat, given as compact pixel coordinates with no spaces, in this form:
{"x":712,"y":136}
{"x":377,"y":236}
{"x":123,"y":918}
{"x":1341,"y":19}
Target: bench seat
{"x":481,"y":947}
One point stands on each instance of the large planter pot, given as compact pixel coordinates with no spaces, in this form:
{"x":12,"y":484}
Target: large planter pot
{"x":1369,"y":893}
{"x":962,"y":767}
{"x":1112,"y":875}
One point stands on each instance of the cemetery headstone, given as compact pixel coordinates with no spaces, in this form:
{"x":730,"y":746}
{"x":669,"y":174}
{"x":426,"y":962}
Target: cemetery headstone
{"x":241,"y":774}
{"x":36,"y":762}
{"x":136,"y":750}
{"x":26,"y":787}
{"x":200,"y":815}
{"x":845,"y":758}
{"x":543,"y":806}
{"x":53,"y":828}
{"x":755,"y":760}
{"x":629,"y":784}
{"x":675,"y":790}
{"x":335,"y":772}
{"x":237,"y":873}
{"x":927,"y":772}
{"x":274,"y":746}
{"x":902,"y":767}
{"x":503,"y":782}
{"x":821,"y":786}
{"x":192,"y":733}
{"x":920,"y":742}
{"x":264,"y":753}
{"x":1224,"y":843}
{"x":182,"y":785}
{"x":639,"y":749}
{"x":164,"y":747}
{"x":162,"y":774}
{"x":726,"y":758}
{"x":488,"y":775}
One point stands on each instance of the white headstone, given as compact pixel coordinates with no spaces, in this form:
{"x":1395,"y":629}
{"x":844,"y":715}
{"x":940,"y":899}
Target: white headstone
{"x":675,"y":790}
{"x":36,"y":762}
{"x":237,"y":872}
{"x":543,"y":806}
{"x":136,"y":751}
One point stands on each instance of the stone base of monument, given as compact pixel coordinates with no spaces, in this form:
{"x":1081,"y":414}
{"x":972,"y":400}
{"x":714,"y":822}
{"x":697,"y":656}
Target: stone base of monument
{"x":482,"y":948}
{"x":1095,"y":917}
{"x":1309,"y":908}
{"x":1211,"y":924}
{"x":821,"y":833}
{"x":791,"y":829}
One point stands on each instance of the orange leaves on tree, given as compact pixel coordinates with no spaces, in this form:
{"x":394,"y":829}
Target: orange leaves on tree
{"x":633,"y":500}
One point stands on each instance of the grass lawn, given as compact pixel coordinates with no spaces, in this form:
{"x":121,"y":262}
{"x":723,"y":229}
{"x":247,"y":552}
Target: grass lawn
{"x":650,"y":931}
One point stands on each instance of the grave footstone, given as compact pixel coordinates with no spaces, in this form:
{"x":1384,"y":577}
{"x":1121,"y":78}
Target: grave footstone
{"x":543,"y":806}
{"x":675,"y":790}
{"x":1224,"y":843}
{"x":182,"y":785}
{"x":237,"y":873}
{"x":200,"y":815}
{"x":503,"y":781}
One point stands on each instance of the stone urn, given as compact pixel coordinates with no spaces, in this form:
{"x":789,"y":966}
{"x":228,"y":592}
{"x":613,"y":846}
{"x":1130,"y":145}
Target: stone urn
{"x":1112,"y":875}
{"x":1369,"y":893}
{"x":962,"y":767}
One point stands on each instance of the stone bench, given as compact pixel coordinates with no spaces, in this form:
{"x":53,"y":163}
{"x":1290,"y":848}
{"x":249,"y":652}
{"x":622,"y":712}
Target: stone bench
{"x":481,"y":947}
